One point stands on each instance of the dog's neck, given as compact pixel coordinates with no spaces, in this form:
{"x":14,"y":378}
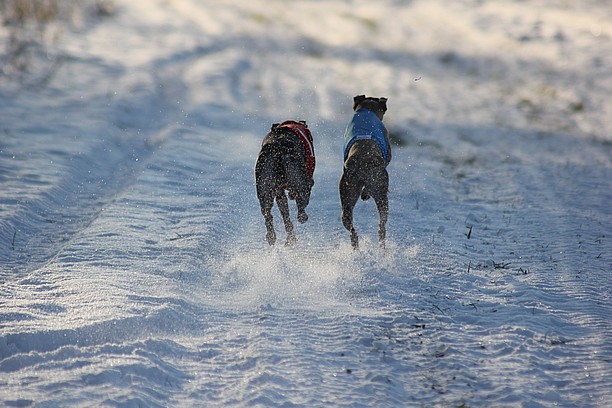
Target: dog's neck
{"x":377,"y":112}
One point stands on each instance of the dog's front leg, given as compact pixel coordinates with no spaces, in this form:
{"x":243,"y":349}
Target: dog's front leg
{"x":301,"y":215}
{"x":283,"y":206}
{"x":301,"y":205}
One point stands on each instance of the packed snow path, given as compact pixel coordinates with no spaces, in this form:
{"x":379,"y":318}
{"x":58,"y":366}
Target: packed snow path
{"x":133,"y":264}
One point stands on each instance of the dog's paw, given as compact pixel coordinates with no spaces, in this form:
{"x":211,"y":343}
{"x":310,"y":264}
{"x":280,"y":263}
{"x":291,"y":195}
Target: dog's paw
{"x":291,"y":239}
{"x":302,"y":217}
{"x":271,"y":238}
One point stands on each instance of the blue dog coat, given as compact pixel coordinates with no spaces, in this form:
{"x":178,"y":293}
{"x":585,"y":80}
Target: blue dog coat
{"x":365,"y":125}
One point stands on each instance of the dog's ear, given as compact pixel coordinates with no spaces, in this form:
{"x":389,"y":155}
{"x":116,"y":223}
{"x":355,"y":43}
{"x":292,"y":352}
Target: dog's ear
{"x":383,"y":103}
{"x":357,"y":100}
{"x":274,"y":126}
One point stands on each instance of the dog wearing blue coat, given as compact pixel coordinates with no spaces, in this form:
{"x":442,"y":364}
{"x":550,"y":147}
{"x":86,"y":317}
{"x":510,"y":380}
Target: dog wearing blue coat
{"x":367,"y":153}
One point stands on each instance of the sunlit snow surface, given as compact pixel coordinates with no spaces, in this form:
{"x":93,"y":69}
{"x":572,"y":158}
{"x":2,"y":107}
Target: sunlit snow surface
{"x":133,"y":265}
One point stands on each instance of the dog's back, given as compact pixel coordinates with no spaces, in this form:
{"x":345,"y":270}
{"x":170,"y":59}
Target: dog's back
{"x":365,"y":168}
{"x":279,"y":150}
{"x":364,"y":156}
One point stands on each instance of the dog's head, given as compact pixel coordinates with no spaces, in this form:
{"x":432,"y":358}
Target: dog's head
{"x":376,"y":105}
{"x":275,"y":126}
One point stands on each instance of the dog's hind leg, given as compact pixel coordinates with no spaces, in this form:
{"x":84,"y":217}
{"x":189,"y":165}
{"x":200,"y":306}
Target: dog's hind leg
{"x":266,"y":189}
{"x":381,"y":197}
{"x":266,"y":211}
{"x":382,"y":203}
{"x":349,"y":194}
{"x":283,"y":206}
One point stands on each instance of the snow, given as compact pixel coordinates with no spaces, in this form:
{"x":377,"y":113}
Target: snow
{"x":134,"y":269}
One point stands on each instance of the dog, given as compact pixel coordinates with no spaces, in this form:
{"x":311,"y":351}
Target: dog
{"x":286,"y":162}
{"x":367,"y":153}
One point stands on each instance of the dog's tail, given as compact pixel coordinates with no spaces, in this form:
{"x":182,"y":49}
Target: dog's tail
{"x":365,"y":195}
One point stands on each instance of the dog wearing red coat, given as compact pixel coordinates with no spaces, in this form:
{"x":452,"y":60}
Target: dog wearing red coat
{"x":284,"y":169}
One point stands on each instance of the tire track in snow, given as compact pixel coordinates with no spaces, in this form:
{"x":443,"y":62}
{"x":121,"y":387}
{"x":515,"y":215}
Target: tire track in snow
{"x":44,"y":225}
{"x":114,"y":144}
{"x":129,"y":290}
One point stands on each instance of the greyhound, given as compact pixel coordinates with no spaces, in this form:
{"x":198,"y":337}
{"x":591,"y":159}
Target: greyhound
{"x":285,"y":162}
{"x":367,"y":153}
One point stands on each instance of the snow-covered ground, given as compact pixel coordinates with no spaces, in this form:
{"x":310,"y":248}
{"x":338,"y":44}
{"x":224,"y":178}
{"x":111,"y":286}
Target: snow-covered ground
{"x":133,"y":265}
